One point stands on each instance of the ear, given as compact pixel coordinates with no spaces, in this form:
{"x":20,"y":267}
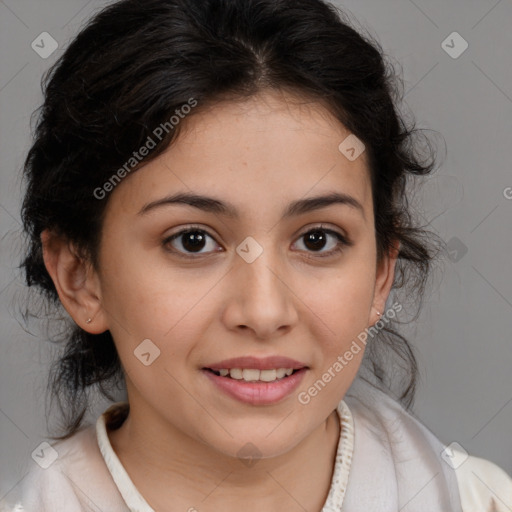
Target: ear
{"x":76,"y":282}
{"x":384,"y":281}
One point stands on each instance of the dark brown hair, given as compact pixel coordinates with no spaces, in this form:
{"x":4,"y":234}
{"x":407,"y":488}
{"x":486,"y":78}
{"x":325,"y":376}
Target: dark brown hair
{"x":127,"y":72}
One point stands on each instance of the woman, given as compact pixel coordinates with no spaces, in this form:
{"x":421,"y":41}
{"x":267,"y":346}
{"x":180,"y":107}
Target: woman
{"x":216,"y":196}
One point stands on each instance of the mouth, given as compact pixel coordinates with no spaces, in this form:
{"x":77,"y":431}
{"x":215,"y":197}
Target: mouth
{"x":254,"y":375}
{"x":256,"y":387}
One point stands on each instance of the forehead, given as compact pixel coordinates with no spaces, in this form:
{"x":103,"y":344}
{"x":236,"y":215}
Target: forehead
{"x":264,"y":149}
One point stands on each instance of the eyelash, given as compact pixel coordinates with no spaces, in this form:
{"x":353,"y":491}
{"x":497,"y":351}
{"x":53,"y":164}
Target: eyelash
{"x":343,"y":242}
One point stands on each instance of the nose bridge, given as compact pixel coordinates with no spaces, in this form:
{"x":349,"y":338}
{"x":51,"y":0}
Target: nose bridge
{"x":264,"y":302}
{"x":260,"y":268}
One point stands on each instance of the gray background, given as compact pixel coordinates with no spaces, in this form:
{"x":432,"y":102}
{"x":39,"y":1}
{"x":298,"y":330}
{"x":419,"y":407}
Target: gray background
{"x":463,"y":335}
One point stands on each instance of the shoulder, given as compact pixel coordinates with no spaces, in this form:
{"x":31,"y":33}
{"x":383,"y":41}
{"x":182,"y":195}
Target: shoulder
{"x":57,"y":475}
{"x":483,"y":485}
{"x":47,"y":489}
{"x":384,"y":424}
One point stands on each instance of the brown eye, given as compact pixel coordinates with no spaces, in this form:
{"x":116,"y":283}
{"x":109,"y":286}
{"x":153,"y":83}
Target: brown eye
{"x":315,"y":240}
{"x":191,"y":240}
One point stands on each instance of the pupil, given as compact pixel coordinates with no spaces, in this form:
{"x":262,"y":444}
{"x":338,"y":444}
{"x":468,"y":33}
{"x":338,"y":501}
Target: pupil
{"x":316,"y":239}
{"x":194,"y":240}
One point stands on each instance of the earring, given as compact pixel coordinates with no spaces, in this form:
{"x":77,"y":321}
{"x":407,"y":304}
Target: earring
{"x":88,"y":321}
{"x":378,"y":313}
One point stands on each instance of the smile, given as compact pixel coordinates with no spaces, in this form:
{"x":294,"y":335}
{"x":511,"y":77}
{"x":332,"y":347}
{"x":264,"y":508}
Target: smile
{"x":249,"y":386}
{"x":252,"y":375}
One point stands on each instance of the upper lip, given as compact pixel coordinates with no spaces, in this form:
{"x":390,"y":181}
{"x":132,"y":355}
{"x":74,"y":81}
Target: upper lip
{"x":264,"y":363}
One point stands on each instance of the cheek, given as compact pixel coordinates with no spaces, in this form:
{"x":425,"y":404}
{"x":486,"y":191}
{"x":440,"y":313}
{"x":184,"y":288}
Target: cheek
{"x":150,"y":300}
{"x":342,"y":304}
{"x":149,"y":305}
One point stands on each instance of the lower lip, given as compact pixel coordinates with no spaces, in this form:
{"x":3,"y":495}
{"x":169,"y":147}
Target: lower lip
{"x":257,"y":393}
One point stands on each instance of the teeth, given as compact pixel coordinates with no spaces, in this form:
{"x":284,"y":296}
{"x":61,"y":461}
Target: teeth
{"x":281,"y":373}
{"x":251,"y":375}
{"x":236,"y":373}
{"x":267,"y":375}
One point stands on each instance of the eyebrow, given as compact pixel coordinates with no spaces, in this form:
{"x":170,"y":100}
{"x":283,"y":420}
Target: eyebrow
{"x":213,"y":205}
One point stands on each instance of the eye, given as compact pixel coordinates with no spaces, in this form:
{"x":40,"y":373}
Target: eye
{"x":317,"y":239}
{"x":192,"y":241}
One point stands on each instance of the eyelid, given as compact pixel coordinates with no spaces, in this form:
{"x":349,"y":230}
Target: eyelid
{"x":327,"y":229}
{"x":190,"y":227}
{"x":343,"y":240}
{"x":177,"y":234}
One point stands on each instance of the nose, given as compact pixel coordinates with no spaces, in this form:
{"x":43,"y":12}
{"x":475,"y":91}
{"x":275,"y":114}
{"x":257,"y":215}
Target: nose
{"x":260,"y":299}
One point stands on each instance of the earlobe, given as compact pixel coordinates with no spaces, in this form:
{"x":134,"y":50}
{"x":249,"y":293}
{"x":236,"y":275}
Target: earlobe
{"x":75,"y":281}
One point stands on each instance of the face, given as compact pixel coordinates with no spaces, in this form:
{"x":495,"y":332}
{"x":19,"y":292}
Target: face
{"x":249,"y":279}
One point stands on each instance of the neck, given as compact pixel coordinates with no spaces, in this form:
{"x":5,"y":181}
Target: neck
{"x":189,"y":473}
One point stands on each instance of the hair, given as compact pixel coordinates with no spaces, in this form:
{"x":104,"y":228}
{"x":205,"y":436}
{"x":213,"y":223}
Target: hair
{"x":133,"y":66}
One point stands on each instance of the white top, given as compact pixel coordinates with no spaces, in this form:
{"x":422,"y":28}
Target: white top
{"x":87,"y":475}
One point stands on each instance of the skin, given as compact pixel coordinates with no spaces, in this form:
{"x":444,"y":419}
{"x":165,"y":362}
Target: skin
{"x":180,"y":442}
